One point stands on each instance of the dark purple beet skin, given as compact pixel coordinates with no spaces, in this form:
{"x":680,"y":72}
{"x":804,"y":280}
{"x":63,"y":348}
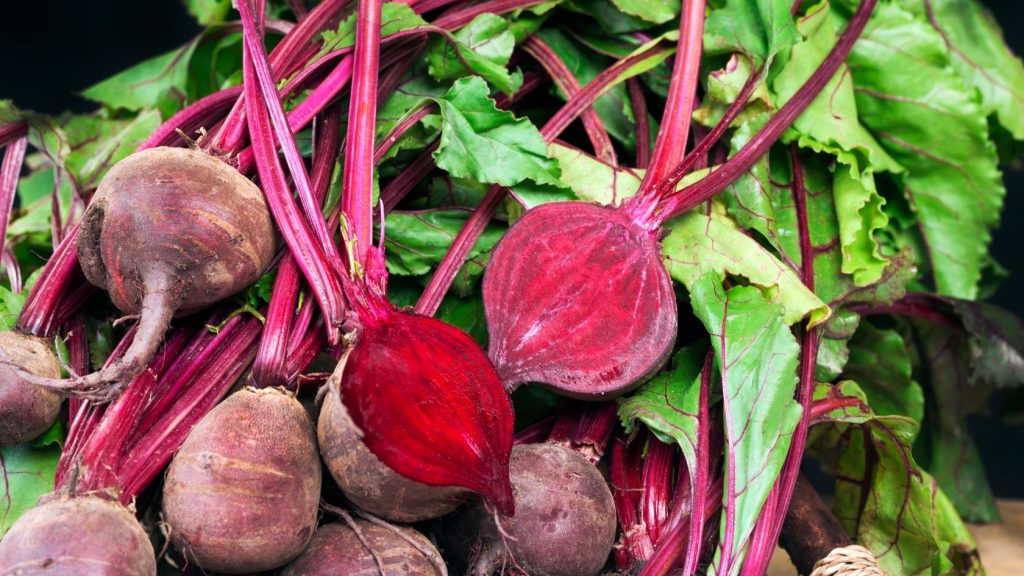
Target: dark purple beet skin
{"x":79,"y":536}
{"x":564,"y":524}
{"x":241,"y":494}
{"x":26,"y":410}
{"x":336,"y":550}
{"x":577,"y":298}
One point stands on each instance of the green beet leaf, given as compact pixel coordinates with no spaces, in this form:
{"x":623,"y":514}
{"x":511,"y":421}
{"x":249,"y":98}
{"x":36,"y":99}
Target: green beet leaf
{"x":930,"y":121}
{"x":756,"y":355}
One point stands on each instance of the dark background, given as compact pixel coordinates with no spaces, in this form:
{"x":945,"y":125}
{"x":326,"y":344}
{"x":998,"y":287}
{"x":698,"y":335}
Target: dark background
{"x":49,"y":50}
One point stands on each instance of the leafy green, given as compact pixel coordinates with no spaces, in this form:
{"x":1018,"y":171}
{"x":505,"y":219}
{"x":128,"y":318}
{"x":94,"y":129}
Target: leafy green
{"x":483,"y":46}
{"x":888,"y":504}
{"x":830,"y":124}
{"x":159,"y":82}
{"x":981,"y":56}
{"x":756,"y":355}
{"x":699,"y":245}
{"x":479,"y":141}
{"x":416,"y":242}
{"x":208,"y":12}
{"x":27,"y":471}
{"x":656,"y":11}
{"x":11,"y":304}
{"x":758,"y":29}
{"x":880,"y":362}
{"x":668,"y":405}
{"x":930,"y":121}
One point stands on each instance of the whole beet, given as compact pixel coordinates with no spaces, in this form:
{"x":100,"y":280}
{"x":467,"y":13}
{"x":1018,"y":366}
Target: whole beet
{"x":26,"y":410}
{"x":368,"y":482}
{"x":337,"y":549}
{"x":169,"y":231}
{"x":564,"y":523}
{"x":241,"y":494}
{"x":78,"y":536}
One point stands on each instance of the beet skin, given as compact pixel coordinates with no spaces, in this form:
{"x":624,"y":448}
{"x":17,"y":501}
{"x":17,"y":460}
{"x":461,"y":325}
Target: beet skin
{"x":81,"y":536}
{"x":336,"y":549}
{"x":241,"y":494}
{"x":564,"y":523}
{"x":26,"y":410}
{"x":368,"y":482}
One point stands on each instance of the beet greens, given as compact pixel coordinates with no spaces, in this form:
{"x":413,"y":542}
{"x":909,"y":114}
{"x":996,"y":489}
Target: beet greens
{"x":764,"y":242}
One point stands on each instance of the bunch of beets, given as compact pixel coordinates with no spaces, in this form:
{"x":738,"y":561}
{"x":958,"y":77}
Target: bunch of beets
{"x":266,"y":403}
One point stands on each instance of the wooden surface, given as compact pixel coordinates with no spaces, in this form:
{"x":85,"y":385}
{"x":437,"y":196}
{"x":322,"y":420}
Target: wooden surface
{"x":1001,"y":545}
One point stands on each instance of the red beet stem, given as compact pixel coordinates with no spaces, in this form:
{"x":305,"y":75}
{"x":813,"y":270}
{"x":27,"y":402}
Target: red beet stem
{"x":296,"y":167}
{"x":357,"y":202}
{"x":585,"y":427}
{"x":14,"y":155}
{"x":12,"y":131}
{"x":643,"y":126}
{"x":670,"y":146}
{"x":203,"y":112}
{"x":295,"y":48}
{"x":568,"y":84}
{"x":270,"y":368}
{"x":727,"y":173}
{"x":308,"y":252}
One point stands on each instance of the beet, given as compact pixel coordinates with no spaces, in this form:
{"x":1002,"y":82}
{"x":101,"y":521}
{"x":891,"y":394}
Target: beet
{"x":169,"y":231}
{"x":26,"y":411}
{"x":589,"y":312}
{"x":427,"y":400}
{"x":241,"y":494}
{"x":79,"y":536}
{"x":564,"y":523}
{"x":337,"y":549}
{"x":371,"y":484}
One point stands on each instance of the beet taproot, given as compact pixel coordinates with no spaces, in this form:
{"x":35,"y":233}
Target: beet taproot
{"x":564,"y":523}
{"x":371,"y":484}
{"x":168,"y":232}
{"x":337,"y":549}
{"x":26,"y":410}
{"x":77,"y":536}
{"x":577,"y":298}
{"x":241,"y":494}
{"x":426,"y":399}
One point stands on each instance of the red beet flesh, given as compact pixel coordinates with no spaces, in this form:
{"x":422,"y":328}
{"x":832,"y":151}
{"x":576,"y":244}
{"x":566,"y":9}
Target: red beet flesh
{"x":83,"y":536}
{"x":241,"y":494}
{"x":169,"y":231}
{"x":26,"y":410}
{"x":336,"y":549}
{"x":564,"y":523}
{"x":371,"y":484}
{"x":577,"y":298}
{"x":429,"y":403}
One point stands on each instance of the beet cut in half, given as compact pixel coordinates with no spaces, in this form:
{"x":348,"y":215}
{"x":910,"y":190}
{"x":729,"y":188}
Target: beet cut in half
{"x":577,"y":298}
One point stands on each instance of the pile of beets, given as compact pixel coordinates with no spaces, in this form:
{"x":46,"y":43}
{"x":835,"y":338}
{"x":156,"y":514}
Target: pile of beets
{"x":332,"y":432}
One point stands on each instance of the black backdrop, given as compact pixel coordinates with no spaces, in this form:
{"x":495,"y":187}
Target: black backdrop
{"x":51,"y":49}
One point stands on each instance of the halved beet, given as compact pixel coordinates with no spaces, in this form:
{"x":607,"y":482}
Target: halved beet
{"x":371,"y":484}
{"x":78,"y":536}
{"x":428,"y":402}
{"x":577,"y":298}
{"x":26,"y":410}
